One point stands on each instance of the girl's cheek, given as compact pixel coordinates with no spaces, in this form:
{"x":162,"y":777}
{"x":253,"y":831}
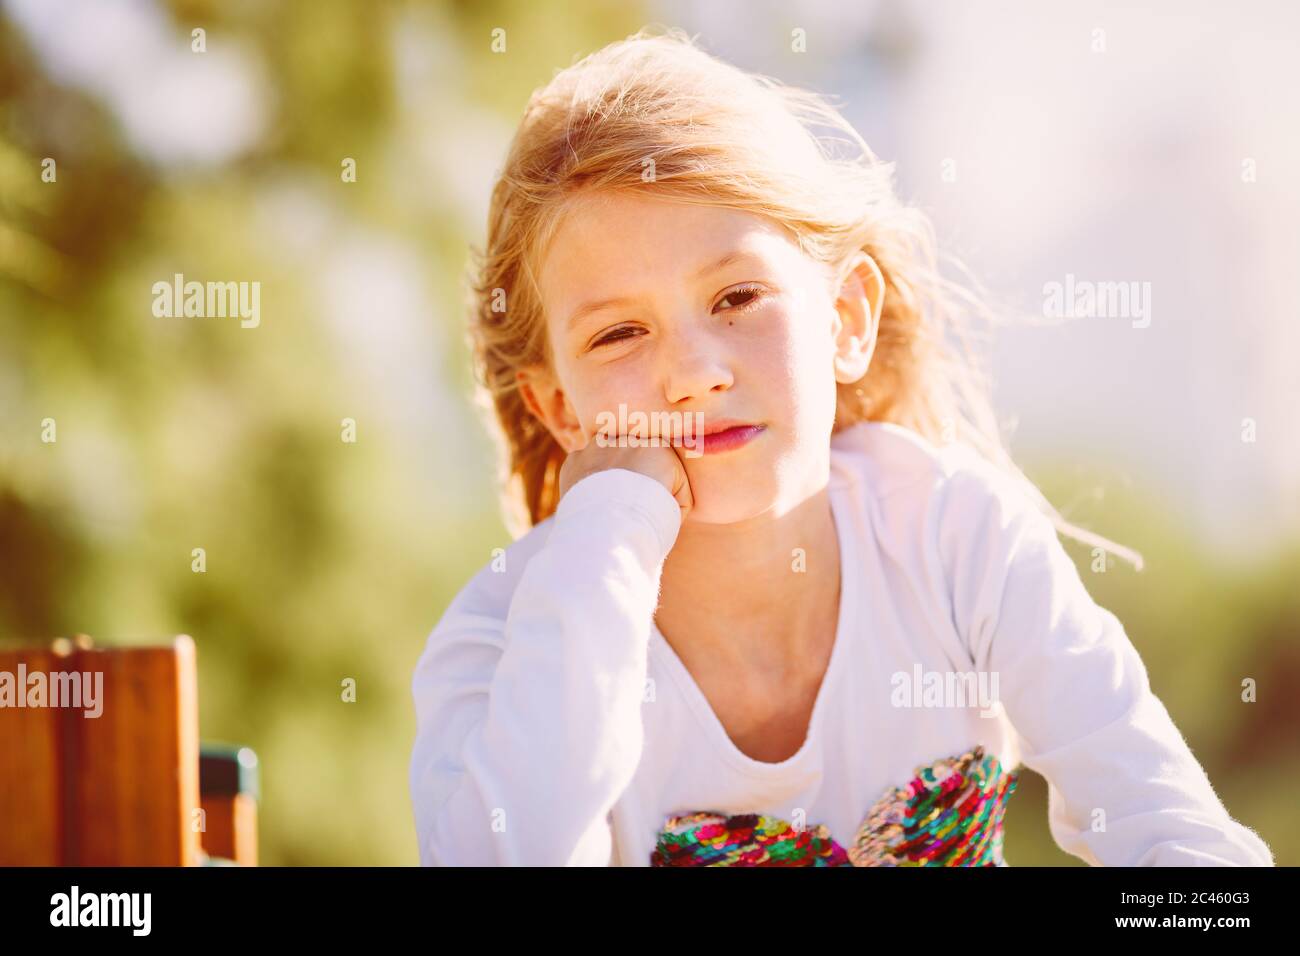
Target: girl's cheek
{"x":630,"y":384}
{"x":786,"y":360}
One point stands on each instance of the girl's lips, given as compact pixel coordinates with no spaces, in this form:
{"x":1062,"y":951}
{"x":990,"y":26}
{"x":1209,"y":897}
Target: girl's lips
{"x":730,"y":438}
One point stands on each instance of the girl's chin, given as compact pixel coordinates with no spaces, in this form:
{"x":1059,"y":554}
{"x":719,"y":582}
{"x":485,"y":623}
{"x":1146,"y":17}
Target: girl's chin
{"x":725,"y":506}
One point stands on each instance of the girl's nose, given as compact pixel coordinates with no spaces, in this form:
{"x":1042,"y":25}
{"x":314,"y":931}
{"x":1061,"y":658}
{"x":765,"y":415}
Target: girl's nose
{"x":694,"y":367}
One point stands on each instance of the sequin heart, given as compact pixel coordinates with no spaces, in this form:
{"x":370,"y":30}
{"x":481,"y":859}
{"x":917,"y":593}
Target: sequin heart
{"x":950,"y":814}
{"x":747,"y":839}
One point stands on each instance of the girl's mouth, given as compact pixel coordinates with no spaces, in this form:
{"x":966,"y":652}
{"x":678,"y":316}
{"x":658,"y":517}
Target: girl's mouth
{"x":730,"y":438}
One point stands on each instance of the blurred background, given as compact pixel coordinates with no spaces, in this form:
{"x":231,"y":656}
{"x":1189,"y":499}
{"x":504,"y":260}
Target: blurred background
{"x":1102,"y":142}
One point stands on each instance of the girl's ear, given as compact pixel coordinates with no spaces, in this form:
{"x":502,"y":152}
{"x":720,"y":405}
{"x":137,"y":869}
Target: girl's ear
{"x":548,"y":403}
{"x":857,"y":317}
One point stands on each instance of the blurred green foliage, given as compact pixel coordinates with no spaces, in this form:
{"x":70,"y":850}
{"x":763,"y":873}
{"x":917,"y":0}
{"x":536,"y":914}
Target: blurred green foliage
{"x":328,"y":560}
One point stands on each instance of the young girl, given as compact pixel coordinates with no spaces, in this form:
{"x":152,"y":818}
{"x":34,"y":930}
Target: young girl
{"x":832,"y":636}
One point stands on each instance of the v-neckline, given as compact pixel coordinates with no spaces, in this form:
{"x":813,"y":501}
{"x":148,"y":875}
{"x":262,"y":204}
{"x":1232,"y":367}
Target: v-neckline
{"x":708,"y":718}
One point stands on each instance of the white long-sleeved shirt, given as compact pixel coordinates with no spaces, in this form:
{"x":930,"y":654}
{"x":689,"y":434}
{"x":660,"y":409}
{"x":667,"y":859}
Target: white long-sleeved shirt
{"x":556,"y":725}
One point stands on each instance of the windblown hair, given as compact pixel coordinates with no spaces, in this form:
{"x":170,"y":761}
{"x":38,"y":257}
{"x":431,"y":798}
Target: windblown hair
{"x":716,"y":135}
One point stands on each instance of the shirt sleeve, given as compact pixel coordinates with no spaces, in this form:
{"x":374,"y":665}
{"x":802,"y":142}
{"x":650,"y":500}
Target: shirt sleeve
{"x":529,"y":717}
{"x":1123,"y":786}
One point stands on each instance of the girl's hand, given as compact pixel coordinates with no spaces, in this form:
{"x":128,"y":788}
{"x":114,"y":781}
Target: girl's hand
{"x":660,"y":462}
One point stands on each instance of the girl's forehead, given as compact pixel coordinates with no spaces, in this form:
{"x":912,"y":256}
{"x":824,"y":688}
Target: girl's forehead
{"x":630,"y":210}
{"x":628,"y":232}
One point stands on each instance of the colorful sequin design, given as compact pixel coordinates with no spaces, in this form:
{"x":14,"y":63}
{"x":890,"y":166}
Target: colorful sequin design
{"x":950,"y":814}
{"x":745,"y":839}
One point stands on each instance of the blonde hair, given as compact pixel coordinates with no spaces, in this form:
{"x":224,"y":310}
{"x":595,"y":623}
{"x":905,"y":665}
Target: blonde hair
{"x":716,"y":135}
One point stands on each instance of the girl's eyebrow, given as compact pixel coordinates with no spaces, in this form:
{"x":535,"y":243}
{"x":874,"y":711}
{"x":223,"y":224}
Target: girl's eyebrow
{"x":726,"y":260}
{"x":582,"y":311}
{"x":587,"y":308}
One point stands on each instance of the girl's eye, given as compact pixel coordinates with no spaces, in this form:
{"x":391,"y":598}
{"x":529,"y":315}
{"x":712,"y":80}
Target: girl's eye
{"x":750,"y":294}
{"x":615,"y":335}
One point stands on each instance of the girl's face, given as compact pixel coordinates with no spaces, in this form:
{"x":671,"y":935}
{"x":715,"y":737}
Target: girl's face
{"x":665,"y":307}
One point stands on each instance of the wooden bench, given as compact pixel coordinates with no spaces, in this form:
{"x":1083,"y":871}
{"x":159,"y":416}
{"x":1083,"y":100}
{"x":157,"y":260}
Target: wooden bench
{"x":129,"y":785}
